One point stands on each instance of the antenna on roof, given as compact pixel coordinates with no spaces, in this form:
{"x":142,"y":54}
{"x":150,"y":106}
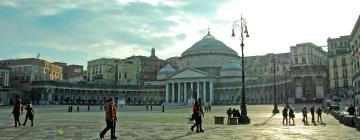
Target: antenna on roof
{"x":38,"y":55}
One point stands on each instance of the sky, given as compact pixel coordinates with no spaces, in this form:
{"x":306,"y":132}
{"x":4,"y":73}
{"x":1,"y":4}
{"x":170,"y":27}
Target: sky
{"x":77,"y":31}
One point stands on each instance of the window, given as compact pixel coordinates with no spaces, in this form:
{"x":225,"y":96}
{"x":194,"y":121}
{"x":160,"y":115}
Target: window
{"x":344,"y":73}
{"x":345,"y":83}
{"x":343,"y":61}
{"x":335,"y":74}
{"x":334,"y":63}
{"x":336,"y":84}
{"x":303,"y":60}
{"x":296,"y":60}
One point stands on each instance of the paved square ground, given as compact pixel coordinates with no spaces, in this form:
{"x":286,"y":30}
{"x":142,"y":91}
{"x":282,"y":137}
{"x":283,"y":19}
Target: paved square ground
{"x":54,"y":122}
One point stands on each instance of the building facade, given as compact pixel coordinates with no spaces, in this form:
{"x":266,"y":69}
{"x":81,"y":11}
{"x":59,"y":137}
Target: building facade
{"x":340,"y":66}
{"x":147,"y":66}
{"x":309,"y":72}
{"x":112,"y":71}
{"x":25,"y":71}
{"x":355,"y":46}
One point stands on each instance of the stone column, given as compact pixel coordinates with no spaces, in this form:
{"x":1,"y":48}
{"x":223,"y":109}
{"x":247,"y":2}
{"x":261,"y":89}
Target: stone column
{"x":173,"y":93}
{"x":167,"y":93}
{"x":198,"y":90}
{"x":185,"y":95}
{"x":192,"y":89}
{"x":204,"y":92}
{"x":179,"y":91}
{"x":211,"y":92}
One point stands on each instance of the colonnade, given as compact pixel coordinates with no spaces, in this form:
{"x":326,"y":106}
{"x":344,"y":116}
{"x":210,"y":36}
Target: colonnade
{"x":185,"y":92}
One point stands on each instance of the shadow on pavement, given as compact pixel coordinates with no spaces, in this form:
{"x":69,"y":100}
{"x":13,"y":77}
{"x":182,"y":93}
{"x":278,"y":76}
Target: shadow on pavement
{"x":267,"y":120}
{"x":193,"y":133}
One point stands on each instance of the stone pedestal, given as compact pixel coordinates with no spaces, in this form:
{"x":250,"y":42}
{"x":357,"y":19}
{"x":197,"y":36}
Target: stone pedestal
{"x":233,"y":120}
{"x":357,"y":123}
{"x":219,"y":120}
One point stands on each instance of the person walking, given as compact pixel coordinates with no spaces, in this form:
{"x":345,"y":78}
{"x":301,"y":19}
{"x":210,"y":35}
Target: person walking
{"x":115,"y":119}
{"x":109,"y":119}
{"x":195,"y":116}
{"x":17,"y":110}
{"x":304,"y":112}
{"x":285,"y":115}
{"x":29,"y":114}
{"x":201,"y":113}
{"x":312,"y":111}
{"x":291,"y":115}
{"x":318,"y":112}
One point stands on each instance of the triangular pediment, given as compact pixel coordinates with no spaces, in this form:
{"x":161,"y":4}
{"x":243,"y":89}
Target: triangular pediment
{"x":189,"y":73}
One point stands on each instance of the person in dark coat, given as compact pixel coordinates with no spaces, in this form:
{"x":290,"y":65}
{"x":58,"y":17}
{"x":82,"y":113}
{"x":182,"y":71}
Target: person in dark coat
{"x":291,"y":115}
{"x":351,"y":110}
{"x":17,"y":110}
{"x":304,"y":112}
{"x":318,"y":112}
{"x":285,"y":115}
{"x":228,"y":112}
{"x":29,"y":114}
{"x":201,"y":114}
{"x":312,"y":111}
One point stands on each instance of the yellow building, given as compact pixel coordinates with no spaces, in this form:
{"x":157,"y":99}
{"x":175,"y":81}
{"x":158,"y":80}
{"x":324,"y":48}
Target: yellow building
{"x":340,"y":65}
{"x":111,"y":70}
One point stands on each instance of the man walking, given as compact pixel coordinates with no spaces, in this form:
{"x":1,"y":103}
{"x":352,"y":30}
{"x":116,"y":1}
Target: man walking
{"x":285,"y":115}
{"x":318,"y":112}
{"x":304,"y":112}
{"x":109,"y":119}
{"x":29,"y":114}
{"x":291,"y":115}
{"x":312,"y":111}
{"x":201,"y":113}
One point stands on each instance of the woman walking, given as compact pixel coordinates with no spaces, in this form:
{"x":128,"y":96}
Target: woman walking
{"x":17,"y":112}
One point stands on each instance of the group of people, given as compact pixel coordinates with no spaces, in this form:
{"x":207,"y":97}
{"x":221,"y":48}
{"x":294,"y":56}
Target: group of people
{"x":312,"y":112}
{"x":110,"y":119}
{"x":18,"y":111}
{"x":197,"y":115}
{"x":147,"y":108}
{"x":233,"y":113}
{"x":286,"y":115}
{"x":291,"y":114}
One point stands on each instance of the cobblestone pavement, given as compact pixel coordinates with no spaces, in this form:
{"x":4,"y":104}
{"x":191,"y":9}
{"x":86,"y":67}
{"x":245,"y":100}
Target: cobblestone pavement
{"x":54,"y":122}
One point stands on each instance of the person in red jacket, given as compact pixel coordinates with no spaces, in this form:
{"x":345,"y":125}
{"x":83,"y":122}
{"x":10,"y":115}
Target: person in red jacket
{"x":109,"y":119}
{"x":17,"y":112}
{"x":195,"y":116}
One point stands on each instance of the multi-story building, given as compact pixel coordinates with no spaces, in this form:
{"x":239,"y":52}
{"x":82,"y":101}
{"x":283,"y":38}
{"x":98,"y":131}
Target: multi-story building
{"x":174,"y":62}
{"x":309,"y":72}
{"x":340,"y":65}
{"x":355,"y":45}
{"x":25,"y":71}
{"x":111,"y":70}
{"x":148,"y":66}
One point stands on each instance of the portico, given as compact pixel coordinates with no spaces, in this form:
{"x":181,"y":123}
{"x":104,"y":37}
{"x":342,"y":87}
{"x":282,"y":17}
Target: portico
{"x":187,"y":85}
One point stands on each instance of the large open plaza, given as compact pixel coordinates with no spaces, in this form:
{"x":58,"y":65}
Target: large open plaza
{"x":54,"y":122}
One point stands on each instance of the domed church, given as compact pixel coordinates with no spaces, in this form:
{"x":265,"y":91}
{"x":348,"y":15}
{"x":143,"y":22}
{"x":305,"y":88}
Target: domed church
{"x":209,"y":69}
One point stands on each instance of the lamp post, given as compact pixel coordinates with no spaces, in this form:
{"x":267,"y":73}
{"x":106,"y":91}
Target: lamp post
{"x":275,"y":110}
{"x":244,"y":119}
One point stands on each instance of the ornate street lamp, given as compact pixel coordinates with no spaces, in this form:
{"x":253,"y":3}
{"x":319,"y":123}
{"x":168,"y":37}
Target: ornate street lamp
{"x":275,"y":110}
{"x":244,"y":119}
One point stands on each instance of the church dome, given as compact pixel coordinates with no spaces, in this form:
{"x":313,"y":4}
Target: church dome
{"x":209,"y":45}
{"x":167,"y":70}
{"x":231,"y":65}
